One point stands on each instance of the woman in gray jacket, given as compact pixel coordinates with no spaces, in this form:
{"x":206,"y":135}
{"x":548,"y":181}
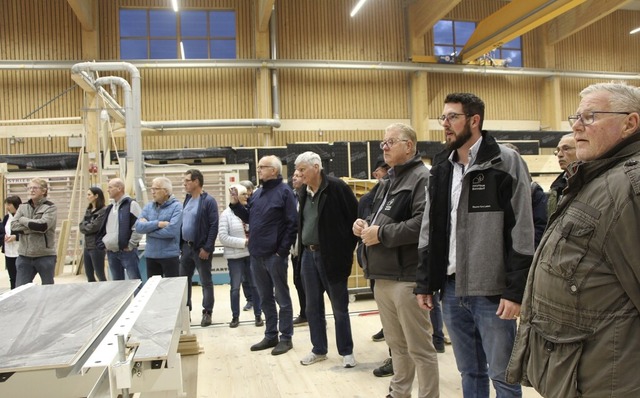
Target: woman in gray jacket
{"x":89,"y":226}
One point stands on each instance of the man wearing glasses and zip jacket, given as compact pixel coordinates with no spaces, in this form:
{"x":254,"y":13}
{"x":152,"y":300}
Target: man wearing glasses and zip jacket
{"x":476,"y":245}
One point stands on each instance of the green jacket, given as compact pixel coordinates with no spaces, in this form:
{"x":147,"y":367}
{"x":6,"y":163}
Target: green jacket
{"x":580,"y":317}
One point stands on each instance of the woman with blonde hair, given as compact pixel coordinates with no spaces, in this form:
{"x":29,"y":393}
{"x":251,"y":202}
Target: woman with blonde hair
{"x":234,"y":235}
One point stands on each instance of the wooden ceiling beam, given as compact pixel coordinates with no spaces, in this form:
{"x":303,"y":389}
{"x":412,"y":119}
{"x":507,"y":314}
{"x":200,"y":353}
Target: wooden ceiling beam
{"x":264,"y":14}
{"x":85,"y":11}
{"x":511,"y":21}
{"x":423,"y":14}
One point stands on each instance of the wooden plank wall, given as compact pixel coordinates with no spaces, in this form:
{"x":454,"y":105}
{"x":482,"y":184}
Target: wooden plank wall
{"x":307,"y":29}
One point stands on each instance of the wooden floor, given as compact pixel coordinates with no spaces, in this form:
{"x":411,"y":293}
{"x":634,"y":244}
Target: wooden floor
{"x":227,"y":368}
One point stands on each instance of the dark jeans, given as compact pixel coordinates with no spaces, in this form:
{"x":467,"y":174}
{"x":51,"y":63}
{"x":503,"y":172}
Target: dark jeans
{"x":270,"y":276}
{"x":94,"y":263}
{"x":28,"y":267}
{"x":237,"y":268}
{"x":11,"y":269}
{"x":122,"y":261}
{"x":315,"y":284}
{"x":479,"y":338}
{"x":189,"y":261}
{"x":165,"y":267}
{"x":297,"y":282}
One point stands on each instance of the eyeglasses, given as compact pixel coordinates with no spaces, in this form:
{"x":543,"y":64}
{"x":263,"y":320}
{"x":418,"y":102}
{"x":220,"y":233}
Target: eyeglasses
{"x":33,"y":188}
{"x":390,"y":142}
{"x":563,"y":149}
{"x":588,"y":117}
{"x":152,"y":189}
{"x":450,"y":117}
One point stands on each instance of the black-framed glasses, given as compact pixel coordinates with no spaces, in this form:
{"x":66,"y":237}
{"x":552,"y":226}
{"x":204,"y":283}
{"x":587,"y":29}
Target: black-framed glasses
{"x":588,"y":117}
{"x":563,"y":149}
{"x":450,"y":117}
{"x":390,"y":142}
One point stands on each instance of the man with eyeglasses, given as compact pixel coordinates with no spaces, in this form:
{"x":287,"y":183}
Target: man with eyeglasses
{"x":476,"y":245}
{"x":390,"y":256}
{"x":198,"y":238}
{"x":35,"y":222}
{"x":117,"y":235}
{"x":566,"y":153}
{"x":580,"y":319}
{"x":273,"y":223}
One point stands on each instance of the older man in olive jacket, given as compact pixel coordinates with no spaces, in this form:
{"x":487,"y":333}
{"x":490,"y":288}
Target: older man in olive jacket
{"x":578,"y":334}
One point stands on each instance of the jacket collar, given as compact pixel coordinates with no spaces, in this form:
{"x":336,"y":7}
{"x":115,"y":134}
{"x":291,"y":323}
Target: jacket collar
{"x":580,"y":173}
{"x":400,"y":169}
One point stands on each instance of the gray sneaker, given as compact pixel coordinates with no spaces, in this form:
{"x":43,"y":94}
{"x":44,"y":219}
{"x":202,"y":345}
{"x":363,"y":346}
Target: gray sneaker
{"x":385,"y":370}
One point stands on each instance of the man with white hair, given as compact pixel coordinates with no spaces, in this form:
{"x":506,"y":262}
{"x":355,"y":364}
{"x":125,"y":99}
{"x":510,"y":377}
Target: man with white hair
{"x":578,"y":334}
{"x":117,"y":235}
{"x":328,"y":209}
{"x":271,"y":214}
{"x":161,"y":220}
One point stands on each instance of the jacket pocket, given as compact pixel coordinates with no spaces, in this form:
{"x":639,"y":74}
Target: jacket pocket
{"x":553,"y":362}
{"x":569,"y":240}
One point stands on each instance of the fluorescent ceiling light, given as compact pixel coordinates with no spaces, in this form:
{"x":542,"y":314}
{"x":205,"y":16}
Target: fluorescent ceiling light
{"x":357,"y":7}
{"x":174,"y":3}
{"x":182,"y":50}
{"x":636,"y":30}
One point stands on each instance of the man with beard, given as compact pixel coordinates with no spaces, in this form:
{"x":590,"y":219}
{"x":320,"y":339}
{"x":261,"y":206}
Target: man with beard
{"x":476,"y":245}
{"x":566,"y":153}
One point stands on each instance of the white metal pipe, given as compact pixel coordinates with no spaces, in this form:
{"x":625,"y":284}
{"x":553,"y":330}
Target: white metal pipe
{"x":358,"y":65}
{"x":176,"y":124}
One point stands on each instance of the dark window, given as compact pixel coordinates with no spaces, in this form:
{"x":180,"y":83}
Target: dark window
{"x":157,"y":34}
{"x":450,"y":37}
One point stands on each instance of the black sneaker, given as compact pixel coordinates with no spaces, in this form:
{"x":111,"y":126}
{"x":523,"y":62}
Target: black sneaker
{"x":378,"y":336}
{"x":247,"y":306}
{"x":282,"y":347}
{"x":439,"y":348}
{"x":300,"y":321}
{"x":206,"y":319}
{"x":264,"y":344}
{"x":385,"y":370}
{"x":234,"y":322}
{"x":259,"y":321}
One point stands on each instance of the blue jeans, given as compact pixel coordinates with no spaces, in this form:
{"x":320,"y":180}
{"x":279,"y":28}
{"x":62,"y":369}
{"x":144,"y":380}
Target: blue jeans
{"x":270,"y":277}
{"x":94,"y":265}
{"x":121,"y":261}
{"x":28,"y":267}
{"x":314,"y":278}
{"x":479,"y":337}
{"x":238,"y":267}
{"x":189,"y":261}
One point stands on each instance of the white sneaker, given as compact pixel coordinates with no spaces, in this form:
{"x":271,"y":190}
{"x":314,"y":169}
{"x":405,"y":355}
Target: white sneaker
{"x":349,"y":361}
{"x":312,"y":358}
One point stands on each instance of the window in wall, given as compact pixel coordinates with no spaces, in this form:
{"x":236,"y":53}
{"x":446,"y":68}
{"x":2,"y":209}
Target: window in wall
{"x":449,"y":37}
{"x":156,"y":34}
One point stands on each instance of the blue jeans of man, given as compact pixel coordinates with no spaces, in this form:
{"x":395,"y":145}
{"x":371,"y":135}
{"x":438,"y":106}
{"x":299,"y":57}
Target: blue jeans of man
{"x":270,"y":277}
{"x":314,"y":278}
{"x":122,"y":261}
{"x":189,"y":261}
{"x":237,"y":270}
{"x":28,"y":267}
{"x":479,"y":337}
{"x":94,"y":265}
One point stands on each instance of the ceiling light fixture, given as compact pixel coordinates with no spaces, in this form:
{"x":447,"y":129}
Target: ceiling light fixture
{"x":357,"y":7}
{"x":636,"y":30}
{"x":174,"y":3}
